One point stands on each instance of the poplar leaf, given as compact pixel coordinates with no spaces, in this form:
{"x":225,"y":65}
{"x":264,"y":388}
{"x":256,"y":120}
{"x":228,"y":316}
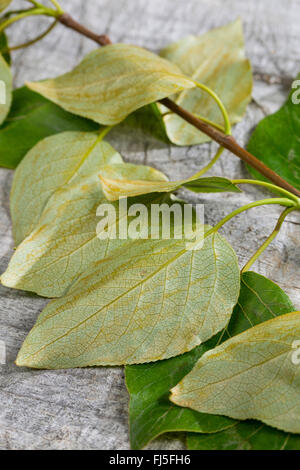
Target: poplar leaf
{"x":5,"y":89}
{"x":151,"y":413}
{"x":216,"y":59}
{"x":4,"y":4}
{"x":275,"y":141}
{"x":31,"y":119}
{"x":155,"y":300}
{"x":112,"y":82}
{"x":117,"y":181}
{"x":250,"y":376}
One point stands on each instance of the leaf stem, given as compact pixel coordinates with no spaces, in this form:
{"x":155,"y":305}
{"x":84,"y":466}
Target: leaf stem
{"x":25,"y":13}
{"x":210,"y":164}
{"x":269,"y":186}
{"x":33,"y":41}
{"x":227,"y":126}
{"x":269,"y":240}
{"x":281,"y":201}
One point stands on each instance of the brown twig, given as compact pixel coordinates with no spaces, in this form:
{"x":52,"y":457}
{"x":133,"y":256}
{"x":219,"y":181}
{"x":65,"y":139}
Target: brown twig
{"x":68,"y":21}
{"x":225,"y":140}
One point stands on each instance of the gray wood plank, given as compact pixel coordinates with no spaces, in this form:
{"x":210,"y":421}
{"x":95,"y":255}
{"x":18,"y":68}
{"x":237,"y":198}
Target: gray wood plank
{"x":87,"y":409}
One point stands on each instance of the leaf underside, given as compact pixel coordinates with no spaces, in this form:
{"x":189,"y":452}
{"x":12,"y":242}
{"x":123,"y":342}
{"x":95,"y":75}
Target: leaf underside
{"x":156,"y":300}
{"x":117,"y":181}
{"x":257,"y":372}
{"x":112,"y":82}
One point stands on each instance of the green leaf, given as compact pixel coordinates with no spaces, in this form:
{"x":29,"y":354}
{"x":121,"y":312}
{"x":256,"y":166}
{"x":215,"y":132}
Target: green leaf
{"x":4,"y":4}
{"x":275,"y":142}
{"x":250,"y":376}
{"x":112,"y":82}
{"x":117,"y":181}
{"x":31,"y":119}
{"x":4,"y":48}
{"x":149,"y":120}
{"x":244,"y":436}
{"x":151,"y":413}
{"x":5,"y":88}
{"x":216,"y":59}
{"x":152,"y":301}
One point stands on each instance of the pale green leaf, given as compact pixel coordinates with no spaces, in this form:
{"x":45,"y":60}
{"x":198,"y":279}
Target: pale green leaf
{"x":155,"y":300}
{"x":117,"y":181}
{"x":151,"y":413}
{"x":251,"y":376}
{"x":249,"y":435}
{"x":54,"y":162}
{"x":5,"y":89}
{"x":112,"y":82}
{"x":57,"y":212}
{"x":216,"y":59}
{"x":4,"y":4}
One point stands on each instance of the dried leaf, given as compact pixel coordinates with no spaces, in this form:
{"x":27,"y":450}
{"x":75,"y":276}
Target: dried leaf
{"x":155,"y":300}
{"x":117,"y":181}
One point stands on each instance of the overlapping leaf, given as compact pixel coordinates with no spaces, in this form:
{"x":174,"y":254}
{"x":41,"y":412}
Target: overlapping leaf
{"x":117,"y":181}
{"x":153,"y":301}
{"x":151,"y":413}
{"x":112,"y":82}
{"x":5,"y":88}
{"x":276,"y":142}
{"x":54,"y":162}
{"x":216,"y":59}
{"x":250,"y":376}
{"x":31,"y":119}
{"x":249,"y":435}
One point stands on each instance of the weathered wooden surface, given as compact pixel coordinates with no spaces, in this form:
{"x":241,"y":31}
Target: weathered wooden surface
{"x":87,"y":409}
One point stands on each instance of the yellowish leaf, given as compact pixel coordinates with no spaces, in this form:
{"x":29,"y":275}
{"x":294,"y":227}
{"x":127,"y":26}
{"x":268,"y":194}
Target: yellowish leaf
{"x":112,"y":82}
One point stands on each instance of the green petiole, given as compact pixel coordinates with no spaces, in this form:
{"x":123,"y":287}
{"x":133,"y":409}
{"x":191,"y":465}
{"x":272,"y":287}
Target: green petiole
{"x":269,"y":240}
{"x":280,"y":201}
